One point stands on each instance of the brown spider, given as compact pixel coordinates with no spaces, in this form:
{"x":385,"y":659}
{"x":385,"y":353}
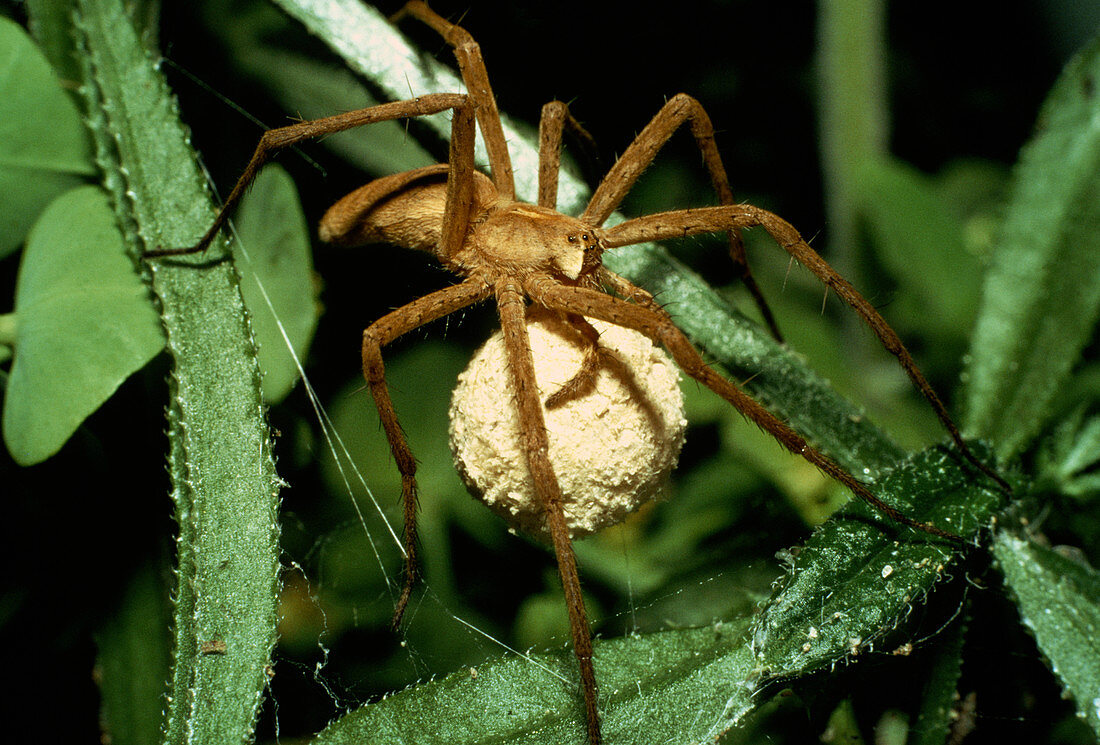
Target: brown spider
{"x":521,"y":254}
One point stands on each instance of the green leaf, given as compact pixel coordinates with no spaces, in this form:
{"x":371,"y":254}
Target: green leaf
{"x":1059,"y":600}
{"x":1070,"y":452}
{"x":940,"y":690}
{"x":1042,"y":295}
{"x":673,"y":686}
{"x":224,"y":485}
{"x":133,"y":646}
{"x":853,"y":581}
{"x":44,"y":148}
{"x":921,"y":243}
{"x":277,"y":277}
{"x":85,"y":324}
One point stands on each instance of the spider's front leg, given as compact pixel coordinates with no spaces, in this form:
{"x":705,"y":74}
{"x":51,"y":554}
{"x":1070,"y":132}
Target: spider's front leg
{"x":590,"y":363}
{"x":553,"y":122}
{"x":657,"y":325}
{"x":472,"y":66}
{"x":681,"y":223}
{"x":679,"y":110}
{"x":377,"y":335}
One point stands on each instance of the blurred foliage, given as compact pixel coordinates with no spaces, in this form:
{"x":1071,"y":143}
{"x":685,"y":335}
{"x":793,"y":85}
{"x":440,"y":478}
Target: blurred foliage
{"x":962,"y":105}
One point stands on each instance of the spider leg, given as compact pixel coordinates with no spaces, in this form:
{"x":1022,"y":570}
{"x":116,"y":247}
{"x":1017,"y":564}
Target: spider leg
{"x":274,"y":140}
{"x":377,"y":335}
{"x":590,"y":363}
{"x":512,"y":309}
{"x":657,"y":325}
{"x":460,"y":184}
{"x":712,"y":219}
{"x":554,"y":119}
{"x":472,"y":66}
{"x":641,"y":152}
{"x":627,"y":289}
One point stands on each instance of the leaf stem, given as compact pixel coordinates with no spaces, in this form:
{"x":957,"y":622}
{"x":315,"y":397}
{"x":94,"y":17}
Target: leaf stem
{"x":853,"y":114}
{"x":224,"y":484}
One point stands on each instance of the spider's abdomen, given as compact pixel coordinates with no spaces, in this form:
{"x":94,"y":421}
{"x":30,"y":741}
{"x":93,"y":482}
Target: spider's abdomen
{"x":405,"y":209}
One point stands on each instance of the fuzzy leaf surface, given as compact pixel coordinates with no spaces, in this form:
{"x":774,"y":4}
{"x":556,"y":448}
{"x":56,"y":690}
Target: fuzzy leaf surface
{"x":674,"y":686}
{"x":224,"y":484}
{"x":1059,"y":601}
{"x":1042,"y":293}
{"x":858,"y":576}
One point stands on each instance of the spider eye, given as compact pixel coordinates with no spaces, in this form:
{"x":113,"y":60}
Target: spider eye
{"x":571,"y":238}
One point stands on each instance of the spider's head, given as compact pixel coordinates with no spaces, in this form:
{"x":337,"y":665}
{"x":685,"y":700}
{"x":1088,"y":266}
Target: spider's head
{"x":591,"y":248}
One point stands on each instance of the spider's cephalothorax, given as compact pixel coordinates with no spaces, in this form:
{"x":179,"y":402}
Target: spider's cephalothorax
{"x":519,"y":255}
{"x":526,"y":238}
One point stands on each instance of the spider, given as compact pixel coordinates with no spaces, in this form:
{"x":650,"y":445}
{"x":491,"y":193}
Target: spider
{"x":522,"y":255}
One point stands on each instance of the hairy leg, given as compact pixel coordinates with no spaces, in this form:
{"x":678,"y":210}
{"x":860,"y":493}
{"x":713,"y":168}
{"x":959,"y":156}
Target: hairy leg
{"x":512,"y":308}
{"x":590,"y":363}
{"x":714,"y":219}
{"x":274,"y":140}
{"x":457,"y":210}
{"x":554,"y":120}
{"x":377,"y":335}
{"x":472,"y":66}
{"x":640,"y":154}
{"x":627,"y":289}
{"x":658,"y":326}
